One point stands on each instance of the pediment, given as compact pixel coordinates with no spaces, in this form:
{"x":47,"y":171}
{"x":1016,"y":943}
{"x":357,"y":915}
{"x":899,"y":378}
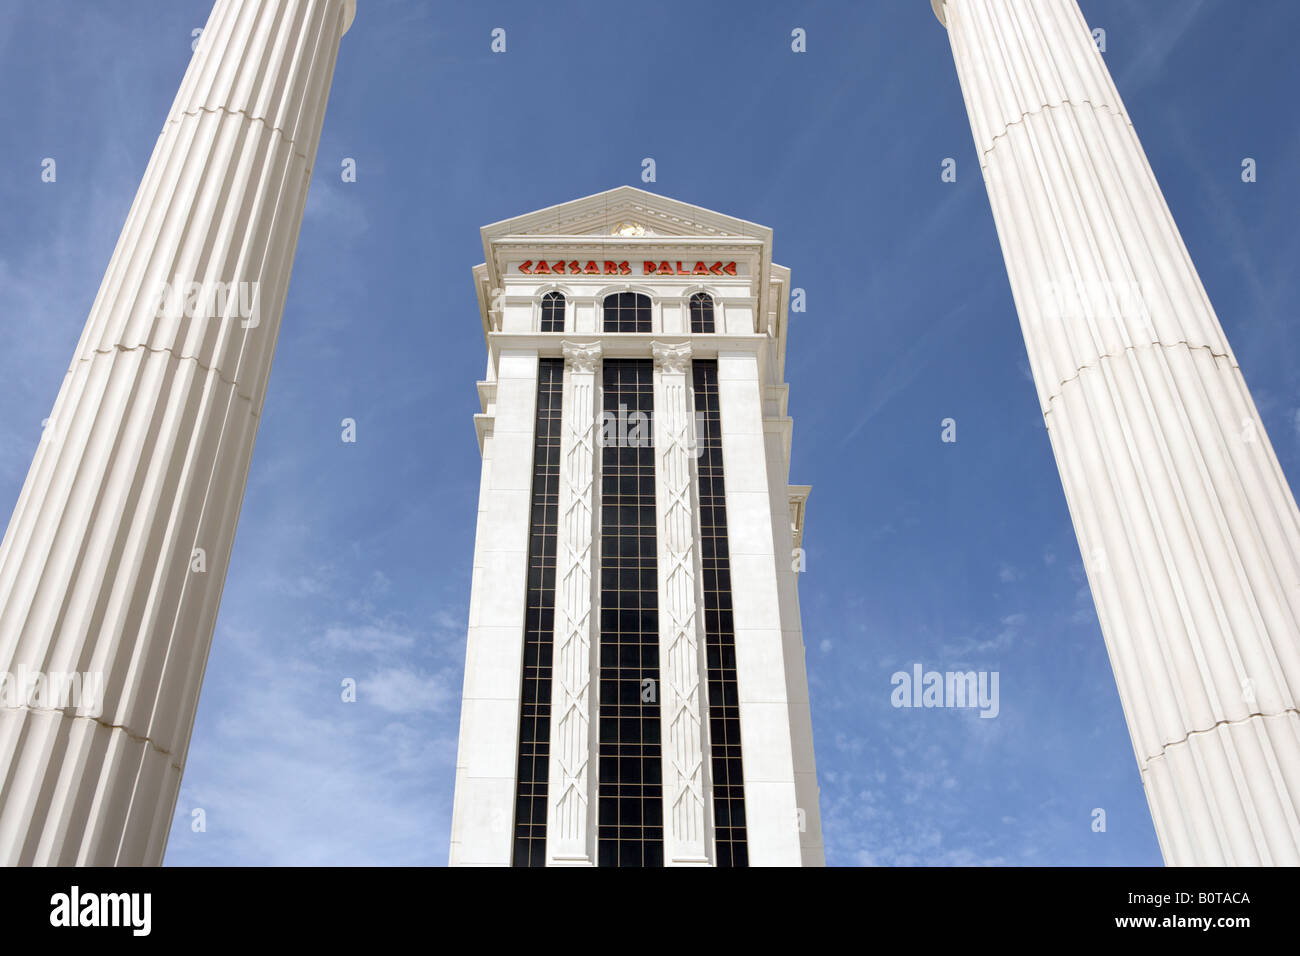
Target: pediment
{"x":626,"y":212}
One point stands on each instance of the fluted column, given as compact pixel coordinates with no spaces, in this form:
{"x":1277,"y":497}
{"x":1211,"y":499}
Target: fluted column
{"x":685,"y":797}
{"x":1187,"y":527}
{"x":571,"y":831}
{"x":114,"y":560}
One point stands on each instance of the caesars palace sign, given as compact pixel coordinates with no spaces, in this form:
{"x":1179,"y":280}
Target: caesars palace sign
{"x":610,"y":268}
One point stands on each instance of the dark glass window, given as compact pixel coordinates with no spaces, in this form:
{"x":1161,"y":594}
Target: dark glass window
{"x":630,"y":829}
{"x":719,"y":629}
{"x":627,"y":312}
{"x":702,"y":312}
{"x":553,"y":312}
{"x":539,"y":622}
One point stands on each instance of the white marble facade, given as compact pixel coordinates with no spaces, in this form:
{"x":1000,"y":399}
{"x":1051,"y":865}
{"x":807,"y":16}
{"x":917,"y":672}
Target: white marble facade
{"x":611,"y":236}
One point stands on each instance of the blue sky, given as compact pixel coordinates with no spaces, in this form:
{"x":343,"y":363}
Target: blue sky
{"x":353,"y":560}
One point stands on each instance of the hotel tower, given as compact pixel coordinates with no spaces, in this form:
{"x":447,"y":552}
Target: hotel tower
{"x":635,"y":691}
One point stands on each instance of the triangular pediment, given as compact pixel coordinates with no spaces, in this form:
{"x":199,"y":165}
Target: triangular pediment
{"x":625,"y":211}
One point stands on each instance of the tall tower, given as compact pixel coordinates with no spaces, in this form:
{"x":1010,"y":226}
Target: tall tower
{"x":635,"y":691}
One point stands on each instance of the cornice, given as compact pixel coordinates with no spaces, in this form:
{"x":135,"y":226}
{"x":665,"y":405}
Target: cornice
{"x":627,"y":344}
{"x":624,"y":242}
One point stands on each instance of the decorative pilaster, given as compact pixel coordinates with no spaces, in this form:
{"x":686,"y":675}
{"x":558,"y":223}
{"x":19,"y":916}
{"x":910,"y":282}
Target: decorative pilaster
{"x":1188,"y":530}
{"x":685,"y":800}
{"x":113,"y":563}
{"x":571,"y":830}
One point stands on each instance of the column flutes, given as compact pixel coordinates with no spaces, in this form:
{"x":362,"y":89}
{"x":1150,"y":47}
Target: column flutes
{"x":1187,"y":527}
{"x":114,"y":560}
{"x":685,"y":797}
{"x":570,"y":833}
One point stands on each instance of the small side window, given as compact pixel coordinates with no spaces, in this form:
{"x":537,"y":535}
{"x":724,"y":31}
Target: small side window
{"x":702,"y":312}
{"x":553,"y":312}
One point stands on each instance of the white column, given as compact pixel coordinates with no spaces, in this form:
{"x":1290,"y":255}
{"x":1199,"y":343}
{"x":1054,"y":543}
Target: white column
{"x":777,"y":435}
{"x":571,"y":829}
{"x":115,"y":557}
{"x":1190,"y":534}
{"x":686,"y":834}
{"x":487,"y":758}
{"x":771,"y":801}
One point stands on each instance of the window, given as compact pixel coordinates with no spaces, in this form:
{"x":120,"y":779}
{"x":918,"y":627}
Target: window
{"x":702,"y":312}
{"x":627,"y":312}
{"x":630,"y":826}
{"x":719,"y":628}
{"x":553,"y":312}
{"x":539,"y":623}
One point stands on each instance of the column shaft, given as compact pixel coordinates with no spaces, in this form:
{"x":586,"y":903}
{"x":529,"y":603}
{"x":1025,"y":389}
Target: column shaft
{"x":114,"y":560}
{"x":685,"y":797}
{"x":771,"y":800}
{"x":571,"y":831}
{"x":483,"y":813}
{"x":1189,"y":532}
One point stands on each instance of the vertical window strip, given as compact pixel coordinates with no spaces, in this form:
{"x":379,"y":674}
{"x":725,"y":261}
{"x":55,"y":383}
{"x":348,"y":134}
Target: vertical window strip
{"x":627,"y":312}
{"x":719,"y":628}
{"x":553,"y":312}
{"x":539,"y":623}
{"x":702,"y":312}
{"x":630,"y":795}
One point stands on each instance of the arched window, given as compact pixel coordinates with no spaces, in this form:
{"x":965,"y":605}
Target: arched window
{"x":553,"y":312}
{"x":702,"y":312}
{"x":627,"y":312}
